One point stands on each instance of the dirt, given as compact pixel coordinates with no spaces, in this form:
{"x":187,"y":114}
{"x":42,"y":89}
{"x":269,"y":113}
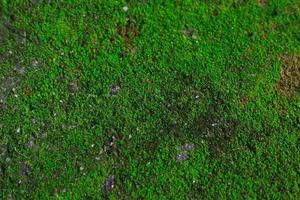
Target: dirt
{"x":115,"y":88}
{"x":108,"y":184}
{"x":213,"y":125}
{"x":289,"y":83}
{"x":216,"y":130}
{"x":6,"y":87}
{"x":25,"y":170}
{"x":13,"y":77}
{"x":74,"y":86}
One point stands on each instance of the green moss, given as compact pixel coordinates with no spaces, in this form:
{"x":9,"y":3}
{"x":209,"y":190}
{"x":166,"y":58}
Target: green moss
{"x":181,"y":72}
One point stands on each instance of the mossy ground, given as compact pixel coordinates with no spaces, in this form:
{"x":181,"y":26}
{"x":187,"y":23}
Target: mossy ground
{"x":149,"y":99}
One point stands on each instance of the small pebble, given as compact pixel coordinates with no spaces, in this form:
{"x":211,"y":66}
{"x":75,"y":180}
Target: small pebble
{"x":35,"y":63}
{"x":182,"y":157}
{"x":125,"y":8}
{"x":184,"y":152}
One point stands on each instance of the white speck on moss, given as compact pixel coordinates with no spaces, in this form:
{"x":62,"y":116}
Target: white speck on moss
{"x":97,"y":158}
{"x":214,"y":124}
{"x":125,"y":8}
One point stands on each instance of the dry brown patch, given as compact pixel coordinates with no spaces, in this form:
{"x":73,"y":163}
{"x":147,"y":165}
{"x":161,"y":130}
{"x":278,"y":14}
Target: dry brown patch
{"x":264,"y":36}
{"x":129,"y":32}
{"x":262,"y":3}
{"x":282,"y":110}
{"x":290,"y":75}
{"x":244,"y":100}
{"x":28,"y":91}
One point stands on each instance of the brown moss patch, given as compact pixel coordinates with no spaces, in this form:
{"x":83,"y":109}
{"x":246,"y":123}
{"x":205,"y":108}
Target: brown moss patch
{"x":244,"y":100}
{"x":290,"y":75}
{"x":27,"y":91}
{"x":129,"y":32}
{"x":262,"y":3}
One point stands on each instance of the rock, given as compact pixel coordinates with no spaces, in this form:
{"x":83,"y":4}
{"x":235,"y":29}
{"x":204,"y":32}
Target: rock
{"x":108,"y":184}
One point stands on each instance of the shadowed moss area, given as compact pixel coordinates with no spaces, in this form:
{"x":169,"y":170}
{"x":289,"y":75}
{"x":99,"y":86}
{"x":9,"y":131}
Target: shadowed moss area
{"x":149,"y":99}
